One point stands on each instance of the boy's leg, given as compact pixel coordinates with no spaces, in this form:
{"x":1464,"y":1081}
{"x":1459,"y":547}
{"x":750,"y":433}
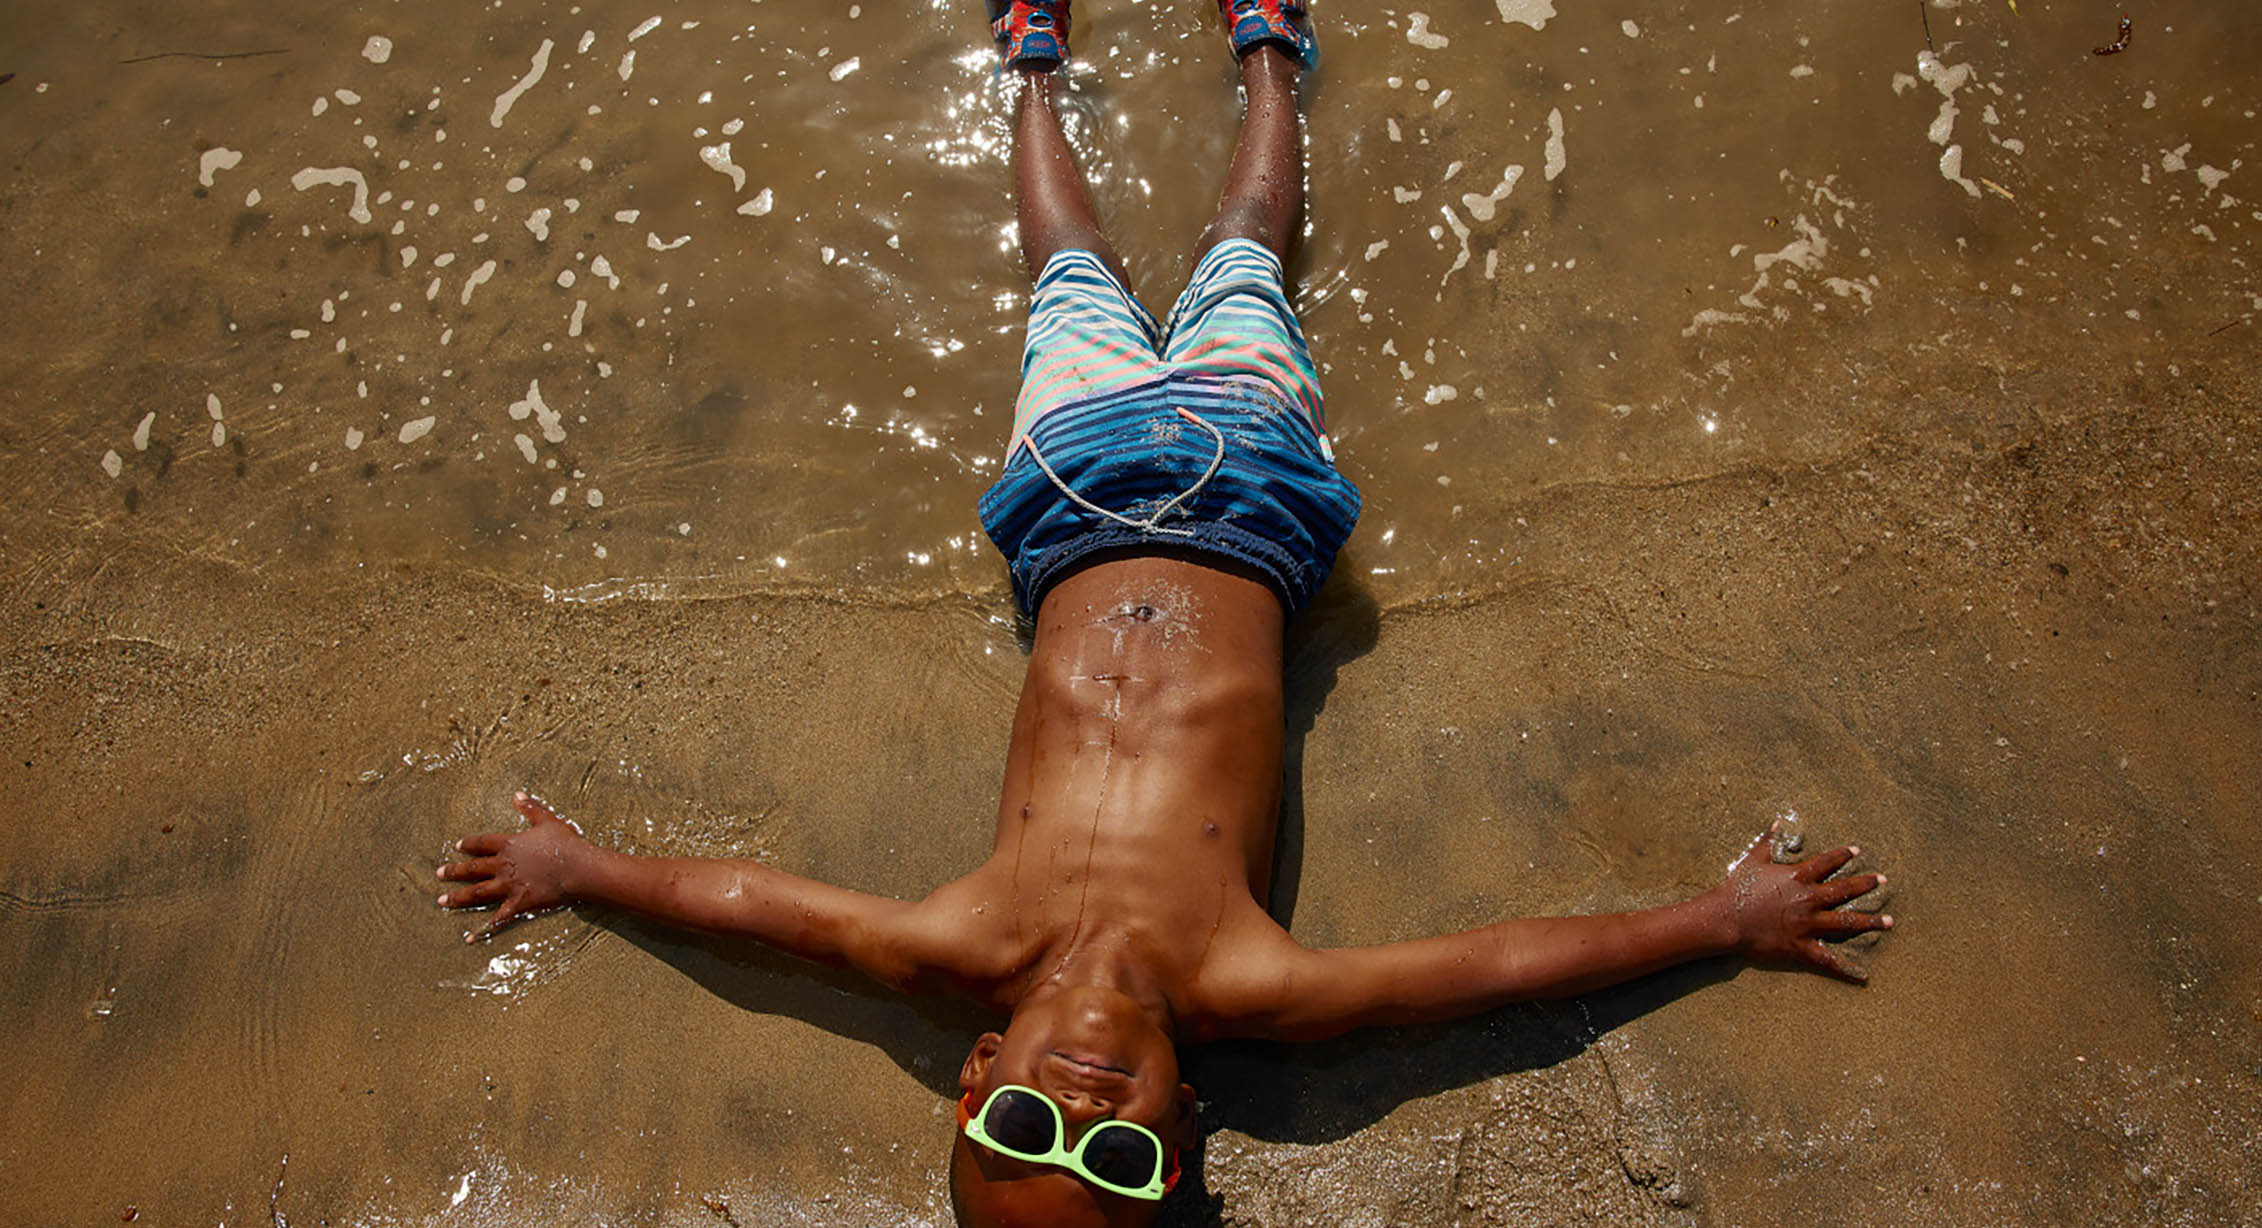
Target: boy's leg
{"x":1264,"y":191}
{"x":1087,"y":331}
{"x":1051,"y":201}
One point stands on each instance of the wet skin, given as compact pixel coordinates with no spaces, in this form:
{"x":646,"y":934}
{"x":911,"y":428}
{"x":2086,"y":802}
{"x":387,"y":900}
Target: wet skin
{"x":1121,"y":909}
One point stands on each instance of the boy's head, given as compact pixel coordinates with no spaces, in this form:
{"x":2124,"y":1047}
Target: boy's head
{"x":1097,"y":1057}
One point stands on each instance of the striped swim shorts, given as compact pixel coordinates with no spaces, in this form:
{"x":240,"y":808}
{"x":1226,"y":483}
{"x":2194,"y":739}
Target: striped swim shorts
{"x":1206,"y":435}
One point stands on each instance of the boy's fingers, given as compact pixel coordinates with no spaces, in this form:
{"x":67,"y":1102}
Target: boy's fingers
{"x":1762,"y":846}
{"x":478,"y":867}
{"x":482,"y":844}
{"x":532,"y":807}
{"x":1830,"y":895}
{"x":1830,"y":961}
{"x":1822,"y":865}
{"x":1852,"y":922}
{"x":476,"y":894}
{"x":503,"y":916}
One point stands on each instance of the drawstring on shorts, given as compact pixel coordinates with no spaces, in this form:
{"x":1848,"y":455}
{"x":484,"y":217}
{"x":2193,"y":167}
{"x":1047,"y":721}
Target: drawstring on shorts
{"x":1153,"y":523}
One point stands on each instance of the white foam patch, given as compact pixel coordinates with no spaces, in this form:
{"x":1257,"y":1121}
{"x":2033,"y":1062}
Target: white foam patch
{"x":1947,"y":80}
{"x":1952,"y":169}
{"x":378,"y":49}
{"x":1533,"y":13}
{"x":759,"y":204}
{"x":656,"y":243}
{"x":526,"y":448}
{"x":354,"y":438}
{"x":845,"y":67}
{"x":338,"y":177}
{"x":573,"y":326}
{"x":251,"y":198}
{"x":1556,"y":158}
{"x":1460,"y":234}
{"x":417,"y":429}
{"x":141,"y":432}
{"x":628,"y":64}
{"x":539,"y":223}
{"x":478,"y":278}
{"x":215,"y":160}
{"x":1419,"y":34}
{"x":1711,"y":318}
{"x":551,"y":421}
{"x":1629,"y":29}
{"x":717,"y":158}
{"x":648,"y":25}
{"x":509,"y":98}
{"x":601,"y":267}
{"x":112,"y":463}
{"x":1483,"y":207}
{"x":212,"y":406}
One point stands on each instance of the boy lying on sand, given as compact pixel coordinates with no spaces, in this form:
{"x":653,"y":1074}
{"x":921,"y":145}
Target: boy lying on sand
{"x":1168,"y":502}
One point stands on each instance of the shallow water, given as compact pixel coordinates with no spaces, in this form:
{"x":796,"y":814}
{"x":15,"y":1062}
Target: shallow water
{"x":1760,"y":414}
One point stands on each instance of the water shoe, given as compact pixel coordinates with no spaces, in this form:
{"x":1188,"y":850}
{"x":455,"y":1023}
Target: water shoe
{"x":1285,"y":23}
{"x":1030,"y":33}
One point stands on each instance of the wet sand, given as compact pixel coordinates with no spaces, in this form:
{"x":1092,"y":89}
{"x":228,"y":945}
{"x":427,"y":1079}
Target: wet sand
{"x":1760,"y":460}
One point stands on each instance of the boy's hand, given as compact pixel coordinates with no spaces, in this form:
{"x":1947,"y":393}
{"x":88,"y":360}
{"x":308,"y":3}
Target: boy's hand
{"x":518,"y":872}
{"x":1782,"y":913}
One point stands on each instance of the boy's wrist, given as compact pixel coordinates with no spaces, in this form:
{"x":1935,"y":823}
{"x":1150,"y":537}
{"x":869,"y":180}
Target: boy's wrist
{"x":1719,"y":930}
{"x":582,"y":874}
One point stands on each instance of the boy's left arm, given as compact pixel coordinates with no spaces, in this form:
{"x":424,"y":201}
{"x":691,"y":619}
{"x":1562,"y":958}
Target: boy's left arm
{"x":1763,"y":911}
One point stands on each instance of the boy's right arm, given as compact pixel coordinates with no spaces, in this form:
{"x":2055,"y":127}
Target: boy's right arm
{"x":550,"y":865}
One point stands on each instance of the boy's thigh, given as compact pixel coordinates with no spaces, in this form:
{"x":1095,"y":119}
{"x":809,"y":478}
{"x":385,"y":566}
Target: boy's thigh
{"x":1088,"y":335}
{"x":1234,"y":319}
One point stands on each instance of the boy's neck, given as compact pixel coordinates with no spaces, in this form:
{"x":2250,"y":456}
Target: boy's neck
{"x":1117,"y":960}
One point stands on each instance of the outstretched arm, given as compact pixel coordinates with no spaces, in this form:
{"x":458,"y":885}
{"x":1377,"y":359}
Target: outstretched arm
{"x":550,"y":865}
{"x":1763,"y":911}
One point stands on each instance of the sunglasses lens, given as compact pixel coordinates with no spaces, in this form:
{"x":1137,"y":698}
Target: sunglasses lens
{"x":1019,"y":1121}
{"x":1121,"y":1155}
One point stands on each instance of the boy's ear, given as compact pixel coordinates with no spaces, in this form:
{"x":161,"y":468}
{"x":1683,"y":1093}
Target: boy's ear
{"x":1189,"y":1131}
{"x":976,"y":1071}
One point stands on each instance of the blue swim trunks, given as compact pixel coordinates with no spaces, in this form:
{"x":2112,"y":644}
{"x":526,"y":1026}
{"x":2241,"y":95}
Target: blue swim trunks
{"x":1205,"y":436}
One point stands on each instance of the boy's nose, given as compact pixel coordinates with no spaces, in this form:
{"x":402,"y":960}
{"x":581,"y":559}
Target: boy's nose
{"x":1078,"y":1107}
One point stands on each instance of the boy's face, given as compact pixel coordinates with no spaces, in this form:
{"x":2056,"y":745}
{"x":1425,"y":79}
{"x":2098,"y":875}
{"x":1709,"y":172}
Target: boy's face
{"x":1097,"y":1057}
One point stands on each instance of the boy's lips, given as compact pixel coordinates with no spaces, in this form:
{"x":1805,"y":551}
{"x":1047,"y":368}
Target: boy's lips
{"x":1090,"y":1063}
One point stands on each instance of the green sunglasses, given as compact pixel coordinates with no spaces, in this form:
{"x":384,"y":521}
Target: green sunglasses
{"x":1122,"y":1157}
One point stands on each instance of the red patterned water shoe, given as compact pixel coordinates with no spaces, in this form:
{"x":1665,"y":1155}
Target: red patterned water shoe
{"x":1283,"y":23}
{"x":1030,"y":33}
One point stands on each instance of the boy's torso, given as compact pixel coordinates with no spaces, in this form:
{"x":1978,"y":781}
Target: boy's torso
{"x":1143,"y":782}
